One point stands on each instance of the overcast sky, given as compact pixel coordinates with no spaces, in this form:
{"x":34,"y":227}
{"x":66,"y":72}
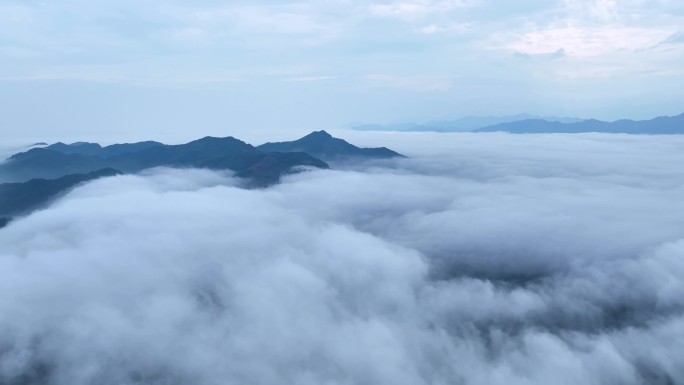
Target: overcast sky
{"x":158,"y":67}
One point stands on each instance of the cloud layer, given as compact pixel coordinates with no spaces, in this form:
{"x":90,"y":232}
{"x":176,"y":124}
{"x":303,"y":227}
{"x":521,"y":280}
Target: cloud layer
{"x":482,"y":259}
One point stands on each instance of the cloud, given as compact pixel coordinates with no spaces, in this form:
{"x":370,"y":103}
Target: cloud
{"x":420,"y":83}
{"x":587,"y":42}
{"x":294,"y":22}
{"x":612,"y":41}
{"x":410,"y":10}
{"x":605,"y":10}
{"x":435,"y":28}
{"x":307,"y":79}
{"x":676,"y":38}
{"x":483,"y":259}
{"x":191,"y":35}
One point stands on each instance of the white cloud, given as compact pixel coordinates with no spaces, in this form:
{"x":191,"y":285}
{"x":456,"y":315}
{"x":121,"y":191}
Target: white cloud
{"x":586,"y":42}
{"x":263,"y":20}
{"x":445,"y":28}
{"x":616,"y":41}
{"x":483,"y":259}
{"x":307,"y":79}
{"x":411,"y":82}
{"x":676,"y":38}
{"x":191,"y":35}
{"x":410,"y":10}
{"x":604,"y":10}
{"x":16,"y":13}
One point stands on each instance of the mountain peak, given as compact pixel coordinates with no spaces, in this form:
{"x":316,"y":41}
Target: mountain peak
{"x":322,"y":134}
{"x":212,"y":141}
{"x":326,"y":147}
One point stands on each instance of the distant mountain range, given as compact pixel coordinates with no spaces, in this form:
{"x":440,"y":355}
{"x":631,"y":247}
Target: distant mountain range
{"x":658,"y":126}
{"x":527,"y":124}
{"x":36,"y":176}
{"x":465,"y":124}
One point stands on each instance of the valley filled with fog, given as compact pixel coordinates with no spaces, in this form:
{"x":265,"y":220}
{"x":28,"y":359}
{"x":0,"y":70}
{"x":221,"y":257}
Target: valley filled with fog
{"x":478,"y":259}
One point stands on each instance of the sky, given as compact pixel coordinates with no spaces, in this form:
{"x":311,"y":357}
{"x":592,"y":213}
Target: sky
{"x":156,"y":68}
{"x":482,"y":259}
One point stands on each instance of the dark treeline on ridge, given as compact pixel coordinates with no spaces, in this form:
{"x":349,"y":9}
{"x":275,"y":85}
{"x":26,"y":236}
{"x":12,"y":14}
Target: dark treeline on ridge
{"x":36,"y":175}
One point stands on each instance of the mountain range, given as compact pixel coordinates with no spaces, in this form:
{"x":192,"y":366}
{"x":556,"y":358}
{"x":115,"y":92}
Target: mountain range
{"x":658,"y":126}
{"x":528,"y":124}
{"x":214,"y":153}
{"x":465,"y":124}
{"x":36,"y":176}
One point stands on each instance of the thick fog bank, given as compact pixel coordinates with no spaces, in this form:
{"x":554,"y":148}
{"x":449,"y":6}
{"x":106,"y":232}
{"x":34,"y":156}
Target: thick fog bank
{"x":482,"y":259}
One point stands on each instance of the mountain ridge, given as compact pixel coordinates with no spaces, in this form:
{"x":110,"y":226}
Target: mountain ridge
{"x":661,"y":125}
{"x":21,"y":198}
{"x":230,"y":153}
{"x":34,"y":177}
{"x":463,"y":124}
{"x":87,"y":148}
{"x":324,"y":146}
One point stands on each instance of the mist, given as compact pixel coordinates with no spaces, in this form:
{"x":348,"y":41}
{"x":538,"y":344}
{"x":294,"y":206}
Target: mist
{"x":480,"y":259}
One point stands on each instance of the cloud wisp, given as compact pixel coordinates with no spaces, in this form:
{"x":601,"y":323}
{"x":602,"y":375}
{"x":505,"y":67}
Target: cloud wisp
{"x":487,"y":259}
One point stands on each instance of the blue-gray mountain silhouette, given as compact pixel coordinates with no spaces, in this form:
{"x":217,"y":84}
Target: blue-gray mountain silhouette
{"x":36,"y":176}
{"x":214,"y":153}
{"x":86,"y":148}
{"x":42,"y":163}
{"x":21,"y":198}
{"x":464,"y":124}
{"x":324,"y":146}
{"x":658,"y":126}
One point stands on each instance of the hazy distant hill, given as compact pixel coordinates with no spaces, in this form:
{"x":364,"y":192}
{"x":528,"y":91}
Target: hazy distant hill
{"x":324,"y":146}
{"x":468,"y":123}
{"x":86,"y":148}
{"x":47,"y":164}
{"x":20,"y":198}
{"x":660,"y":125}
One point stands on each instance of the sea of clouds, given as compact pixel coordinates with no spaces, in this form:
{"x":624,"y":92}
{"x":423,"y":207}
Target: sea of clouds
{"x":480,"y":259}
